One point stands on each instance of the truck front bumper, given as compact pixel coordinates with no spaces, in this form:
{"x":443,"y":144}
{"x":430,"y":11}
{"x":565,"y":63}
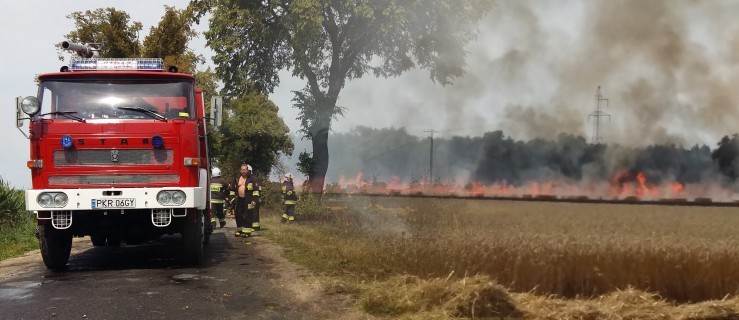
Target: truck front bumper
{"x":115,"y":199}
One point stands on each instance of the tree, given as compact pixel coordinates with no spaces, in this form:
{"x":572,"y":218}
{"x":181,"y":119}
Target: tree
{"x":327,"y":42}
{"x":169,"y":39}
{"x":110,"y":27}
{"x":253,"y":133}
{"x":725,"y":156}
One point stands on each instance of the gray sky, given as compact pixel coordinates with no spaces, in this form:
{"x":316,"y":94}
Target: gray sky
{"x":668,"y":68}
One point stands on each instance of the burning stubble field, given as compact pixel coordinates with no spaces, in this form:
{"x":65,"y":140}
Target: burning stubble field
{"x":421,"y":258}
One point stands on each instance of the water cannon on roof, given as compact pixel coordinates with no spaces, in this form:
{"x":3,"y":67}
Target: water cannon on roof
{"x":82,"y":50}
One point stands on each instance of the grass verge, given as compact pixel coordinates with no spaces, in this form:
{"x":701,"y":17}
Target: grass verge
{"x":17,"y":239}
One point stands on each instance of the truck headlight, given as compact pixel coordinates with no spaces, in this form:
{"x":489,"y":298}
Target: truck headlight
{"x":30,"y":105}
{"x":178,"y":197}
{"x":164,"y":198}
{"x":171,"y":197}
{"x":44,"y":200}
{"x":60,"y":200}
{"x":52,"y":199}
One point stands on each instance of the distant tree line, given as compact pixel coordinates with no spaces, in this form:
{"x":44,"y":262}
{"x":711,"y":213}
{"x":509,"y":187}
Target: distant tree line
{"x":381,"y":154}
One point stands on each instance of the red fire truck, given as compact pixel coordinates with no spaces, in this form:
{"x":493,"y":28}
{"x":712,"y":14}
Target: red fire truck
{"x":118,"y":152}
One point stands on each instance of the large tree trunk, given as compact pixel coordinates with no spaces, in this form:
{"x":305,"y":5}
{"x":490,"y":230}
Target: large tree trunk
{"x":320,"y":156}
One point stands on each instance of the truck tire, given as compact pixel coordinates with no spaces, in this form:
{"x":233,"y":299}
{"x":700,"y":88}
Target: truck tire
{"x":55,"y":246}
{"x":98,"y":240}
{"x":192,"y":236}
{"x":114,"y":240}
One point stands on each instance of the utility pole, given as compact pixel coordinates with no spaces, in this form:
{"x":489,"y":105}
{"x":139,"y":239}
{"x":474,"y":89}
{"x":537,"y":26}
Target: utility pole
{"x":431,"y":157}
{"x":597,"y":135}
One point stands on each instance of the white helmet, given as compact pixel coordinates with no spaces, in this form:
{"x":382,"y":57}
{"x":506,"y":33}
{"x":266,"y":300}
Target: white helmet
{"x":289,"y":176}
{"x":215,"y":172}
{"x":248,"y":168}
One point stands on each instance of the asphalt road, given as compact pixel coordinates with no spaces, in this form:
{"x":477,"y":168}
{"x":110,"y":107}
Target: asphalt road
{"x":240,"y":279}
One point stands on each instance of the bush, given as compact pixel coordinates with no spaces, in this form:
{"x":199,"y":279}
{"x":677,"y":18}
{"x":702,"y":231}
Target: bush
{"x":16,"y":224}
{"x":309,"y":208}
{"x":272,"y":195}
{"x":12,"y":207}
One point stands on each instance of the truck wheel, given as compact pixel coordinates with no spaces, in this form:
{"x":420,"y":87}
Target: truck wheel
{"x":192,"y":235}
{"x":98,"y":240}
{"x":55,"y":246}
{"x":114,"y":240}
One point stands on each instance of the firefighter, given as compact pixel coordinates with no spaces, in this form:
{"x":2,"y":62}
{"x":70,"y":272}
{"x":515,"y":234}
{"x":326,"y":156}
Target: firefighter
{"x":257,"y":194}
{"x":253,"y":197}
{"x":239,"y":187}
{"x":290,"y":198}
{"x":245,"y":185}
{"x":218,"y":189}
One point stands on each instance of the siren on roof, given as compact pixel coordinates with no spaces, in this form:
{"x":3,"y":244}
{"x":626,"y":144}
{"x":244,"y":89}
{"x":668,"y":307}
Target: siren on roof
{"x":123,"y":64}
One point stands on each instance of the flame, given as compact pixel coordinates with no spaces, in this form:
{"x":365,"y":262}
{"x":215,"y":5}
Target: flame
{"x":622,"y":184}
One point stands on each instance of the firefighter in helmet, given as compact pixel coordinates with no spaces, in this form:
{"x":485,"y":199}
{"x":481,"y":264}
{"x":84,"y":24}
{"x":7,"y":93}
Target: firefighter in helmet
{"x":218,"y":189}
{"x":246,"y":201}
{"x":290,"y":198}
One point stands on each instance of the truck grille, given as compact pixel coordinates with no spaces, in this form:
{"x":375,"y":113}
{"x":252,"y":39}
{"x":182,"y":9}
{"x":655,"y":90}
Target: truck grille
{"x":113,"y":156}
{"x":107,"y":179}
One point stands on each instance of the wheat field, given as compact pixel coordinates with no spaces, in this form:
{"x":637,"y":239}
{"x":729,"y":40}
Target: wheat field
{"x":559,"y":252}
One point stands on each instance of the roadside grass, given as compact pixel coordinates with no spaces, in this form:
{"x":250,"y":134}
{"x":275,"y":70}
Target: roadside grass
{"x":17,"y":226}
{"x":439,"y":259}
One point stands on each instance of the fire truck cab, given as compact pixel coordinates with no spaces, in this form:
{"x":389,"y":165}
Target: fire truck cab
{"x":118,"y":152}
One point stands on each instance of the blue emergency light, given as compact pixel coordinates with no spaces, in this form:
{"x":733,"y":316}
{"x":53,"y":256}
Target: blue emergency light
{"x":143,"y":64}
{"x":157,"y":141}
{"x":67,"y":142}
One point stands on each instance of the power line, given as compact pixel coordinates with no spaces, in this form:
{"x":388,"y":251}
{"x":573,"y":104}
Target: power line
{"x":597,"y":135}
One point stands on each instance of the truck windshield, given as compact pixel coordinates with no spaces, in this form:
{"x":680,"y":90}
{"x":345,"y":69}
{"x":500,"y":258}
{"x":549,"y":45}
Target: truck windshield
{"x":117,"y":99}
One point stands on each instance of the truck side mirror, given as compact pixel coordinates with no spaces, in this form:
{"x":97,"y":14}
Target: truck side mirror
{"x":19,"y":116}
{"x":18,"y":113}
{"x":216,"y":110}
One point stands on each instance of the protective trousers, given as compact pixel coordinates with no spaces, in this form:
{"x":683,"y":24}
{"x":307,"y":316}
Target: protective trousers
{"x":218,"y":210}
{"x":289,"y":214}
{"x":255,"y":218}
{"x":240,"y":213}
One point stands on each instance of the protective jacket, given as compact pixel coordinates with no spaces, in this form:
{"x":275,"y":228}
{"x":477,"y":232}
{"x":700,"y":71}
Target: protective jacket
{"x":289,"y":196}
{"x":218,"y":190}
{"x":252,"y":193}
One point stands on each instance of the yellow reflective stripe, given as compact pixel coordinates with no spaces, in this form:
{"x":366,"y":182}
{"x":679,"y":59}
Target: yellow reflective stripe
{"x":291,"y":219}
{"x":284,"y":189}
{"x":255,"y":225}
{"x":217,"y":201}
{"x":232,"y":193}
{"x":250,"y":206}
{"x":284,"y":216}
{"x":216,"y":187}
{"x":249,"y":187}
{"x":290,"y":202}
{"x":256,"y":193}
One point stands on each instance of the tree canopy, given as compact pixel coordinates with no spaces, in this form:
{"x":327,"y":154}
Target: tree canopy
{"x":327,"y":42}
{"x":110,"y":27}
{"x":253,"y":133}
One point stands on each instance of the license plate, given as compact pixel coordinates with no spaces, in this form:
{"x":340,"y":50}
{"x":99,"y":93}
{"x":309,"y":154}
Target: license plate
{"x":113,"y":203}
